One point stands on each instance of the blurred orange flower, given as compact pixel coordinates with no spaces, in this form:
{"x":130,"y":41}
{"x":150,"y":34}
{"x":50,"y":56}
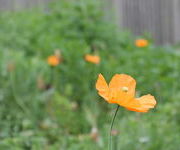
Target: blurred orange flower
{"x":121,"y":90}
{"x":92,"y":58}
{"x":53,"y":60}
{"x":141,"y":43}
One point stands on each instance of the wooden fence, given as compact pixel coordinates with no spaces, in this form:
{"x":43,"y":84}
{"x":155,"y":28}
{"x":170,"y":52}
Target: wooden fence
{"x":20,"y":4}
{"x":160,"y":18}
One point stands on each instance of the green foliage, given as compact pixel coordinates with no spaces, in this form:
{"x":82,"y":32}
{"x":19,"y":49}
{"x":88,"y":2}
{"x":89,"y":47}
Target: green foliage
{"x":56,"y":108}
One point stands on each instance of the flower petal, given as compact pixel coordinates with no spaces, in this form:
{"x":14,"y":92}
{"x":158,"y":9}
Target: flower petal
{"x":122,"y":88}
{"x":147,"y":101}
{"x":142,"y":104}
{"x":102,"y":87}
{"x":138,"y":110}
{"x":122,"y":80}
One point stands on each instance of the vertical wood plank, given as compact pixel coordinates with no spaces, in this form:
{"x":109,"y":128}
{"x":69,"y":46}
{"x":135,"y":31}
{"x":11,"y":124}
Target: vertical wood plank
{"x":6,"y":5}
{"x":176,"y":21}
{"x":161,"y":18}
{"x":20,"y":4}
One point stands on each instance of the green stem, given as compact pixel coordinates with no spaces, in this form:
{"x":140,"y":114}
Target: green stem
{"x":112,"y":123}
{"x":52,"y":75}
{"x":16,"y":98}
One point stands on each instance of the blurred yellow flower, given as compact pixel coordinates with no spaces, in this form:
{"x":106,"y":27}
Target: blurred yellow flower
{"x":141,"y":43}
{"x":92,"y":58}
{"x":53,"y":60}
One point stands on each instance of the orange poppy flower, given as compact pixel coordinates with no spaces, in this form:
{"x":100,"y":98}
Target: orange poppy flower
{"x":53,"y":60}
{"x":141,"y":43}
{"x":92,"y":58}
{"x":121,"y":90}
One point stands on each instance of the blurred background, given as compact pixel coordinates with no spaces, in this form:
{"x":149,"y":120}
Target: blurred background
{"x":51,"y":53}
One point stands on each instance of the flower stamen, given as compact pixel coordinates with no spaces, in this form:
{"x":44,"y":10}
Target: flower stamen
{"x":125,"y":89}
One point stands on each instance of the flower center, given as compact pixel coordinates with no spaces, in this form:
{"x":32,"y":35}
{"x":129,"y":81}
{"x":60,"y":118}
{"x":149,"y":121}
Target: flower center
{"x":125,"y":89}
